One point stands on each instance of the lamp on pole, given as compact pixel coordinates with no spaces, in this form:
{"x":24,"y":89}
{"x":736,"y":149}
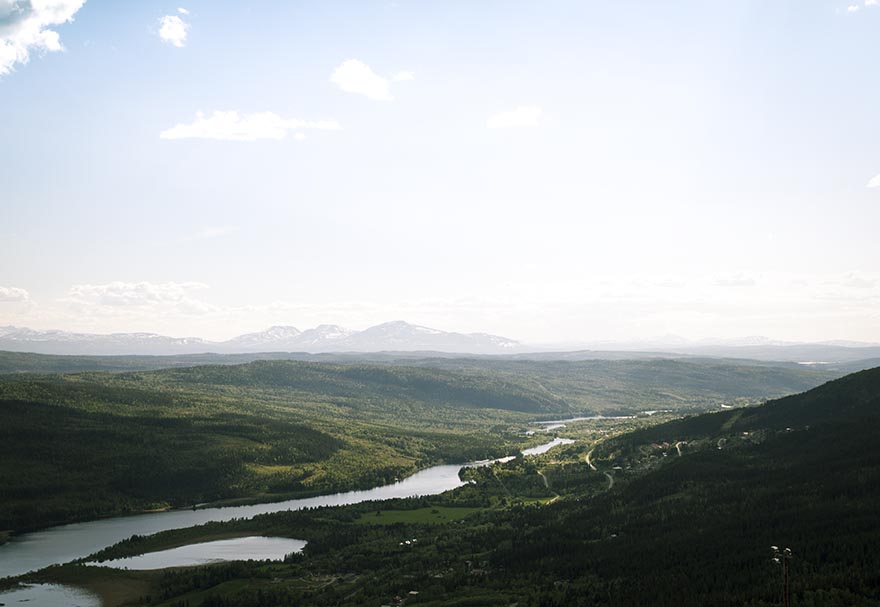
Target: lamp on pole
{"x":783,"y":557}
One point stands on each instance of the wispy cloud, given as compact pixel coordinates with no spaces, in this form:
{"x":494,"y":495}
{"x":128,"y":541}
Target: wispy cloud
{"x":182,"y":11}
{"x":522,"y":116}
{"x":210,"y":232}
{"x":355,"y":76}
{"x":735,"y":280}
{"x":173,"y":30}
{"x":13,"y":295}
{"x":24,"y":27}
{"x":870,"y":2}
{"x":875,"y":182}
{"x":232,"y":126}
{"x":852,"y":8}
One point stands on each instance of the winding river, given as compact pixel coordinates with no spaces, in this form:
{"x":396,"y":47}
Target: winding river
{"x":33,"y":551}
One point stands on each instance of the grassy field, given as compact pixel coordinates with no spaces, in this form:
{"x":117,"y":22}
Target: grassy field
{"x":424,"y":516}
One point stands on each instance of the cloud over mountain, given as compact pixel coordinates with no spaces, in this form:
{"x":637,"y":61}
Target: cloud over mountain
{"x":13,"y":295}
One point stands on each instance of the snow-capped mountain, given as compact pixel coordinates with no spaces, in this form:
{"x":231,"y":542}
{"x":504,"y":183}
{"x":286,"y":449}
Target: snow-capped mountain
{"x":277,"y":336}
{"x":21,"y":339}
{"x":324,"y":335}
{"x":398,"y":335}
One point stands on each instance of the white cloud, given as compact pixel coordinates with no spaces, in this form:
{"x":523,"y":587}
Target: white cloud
{"x":403,"y":76}
{"x":210,"y":232}
{"x":232,"y":126}
{"x":182,"y":11}
{"x":355,"y":76}
{"x":299,"y":136}
{"x":173,"y":30}
{"x":523,"y":116}
{"x":874,"y":183}
{"x":137,"y":295}
{"x":870,"y":2}
{"x":13,"y":295}
{"x":24,"y":27}
{"x":852,"y":8}
{"x":858,"y":281}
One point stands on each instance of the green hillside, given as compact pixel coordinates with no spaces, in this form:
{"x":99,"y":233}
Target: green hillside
{"x":86,"y":445}
{"x":693,"y":529}
{"x":83,"y":445}
{"x":617,"y":386}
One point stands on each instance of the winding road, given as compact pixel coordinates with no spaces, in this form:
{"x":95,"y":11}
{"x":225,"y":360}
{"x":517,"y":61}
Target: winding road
{"x":594,"y":469}
{"x":589,"y":462}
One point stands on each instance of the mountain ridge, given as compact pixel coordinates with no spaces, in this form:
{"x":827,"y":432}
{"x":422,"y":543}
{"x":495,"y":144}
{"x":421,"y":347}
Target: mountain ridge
{"x":395,"y":335}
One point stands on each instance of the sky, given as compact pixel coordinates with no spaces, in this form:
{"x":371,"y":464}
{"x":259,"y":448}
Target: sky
{"x":551,"y":171}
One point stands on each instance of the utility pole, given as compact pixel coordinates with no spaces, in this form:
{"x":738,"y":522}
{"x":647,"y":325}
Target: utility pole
{"x":783,"y":557}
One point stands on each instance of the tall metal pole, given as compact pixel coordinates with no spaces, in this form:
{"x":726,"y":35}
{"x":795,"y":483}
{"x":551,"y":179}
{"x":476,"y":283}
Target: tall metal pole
{"x":783,"y":557}
{"x":785,"y":589}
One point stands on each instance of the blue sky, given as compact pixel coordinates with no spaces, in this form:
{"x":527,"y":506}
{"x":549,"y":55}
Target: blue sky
{"x":551,"y":171}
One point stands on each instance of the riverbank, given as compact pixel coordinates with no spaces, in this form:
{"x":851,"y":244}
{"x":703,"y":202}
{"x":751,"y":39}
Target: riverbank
{"x":402,"y":524}
{"x":113,"y":587}
{"x":250,"y":500}
{"x":32,"y":552}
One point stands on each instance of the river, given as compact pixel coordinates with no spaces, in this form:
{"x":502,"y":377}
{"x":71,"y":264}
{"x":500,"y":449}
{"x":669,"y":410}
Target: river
{"x":33,"y":551}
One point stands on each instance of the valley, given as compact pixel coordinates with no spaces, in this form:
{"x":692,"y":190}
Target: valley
{"x":646,"y":476}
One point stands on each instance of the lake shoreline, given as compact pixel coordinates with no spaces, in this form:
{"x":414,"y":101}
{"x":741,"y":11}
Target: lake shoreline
{"x":23,"y":554}
{"x":10,"y":535}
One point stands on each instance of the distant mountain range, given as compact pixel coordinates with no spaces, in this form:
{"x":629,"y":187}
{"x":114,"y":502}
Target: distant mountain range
{"x":752,"y":348}
{"x":390,"y":336}
{"x":402,"y":337}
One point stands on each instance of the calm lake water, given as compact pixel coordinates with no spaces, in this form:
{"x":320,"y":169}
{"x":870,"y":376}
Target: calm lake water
{"x":33,"y":551}
{"x":238,"y":549}
{"x":49,"y":595}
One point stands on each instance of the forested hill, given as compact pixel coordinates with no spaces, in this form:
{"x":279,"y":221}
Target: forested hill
{"x":471,"y":389}
{"x":695,"y":529}
{"x":599,"y":386}
{"x":851,"y":399}
{"x":91,"y":444}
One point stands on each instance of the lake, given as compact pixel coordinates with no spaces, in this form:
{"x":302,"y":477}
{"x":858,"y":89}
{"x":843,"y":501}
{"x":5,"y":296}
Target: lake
{"x":237,"y":549}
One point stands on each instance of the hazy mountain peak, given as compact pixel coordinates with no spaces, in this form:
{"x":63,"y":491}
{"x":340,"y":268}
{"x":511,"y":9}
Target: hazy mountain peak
{"x":323,"y":334}
{"x":279,"y":330}
{"x":401,"y":326}
{"x":273,"y":335}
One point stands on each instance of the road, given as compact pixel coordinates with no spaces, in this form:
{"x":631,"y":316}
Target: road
{"x":589,"y":462}
{"x":593,"y":468}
